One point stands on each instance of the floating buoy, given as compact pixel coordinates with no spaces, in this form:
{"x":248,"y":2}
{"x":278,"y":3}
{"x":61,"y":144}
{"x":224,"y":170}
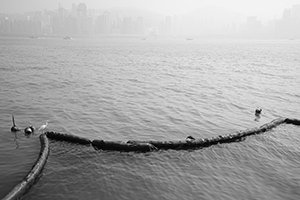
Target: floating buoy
{"x":32,"y":128}
{"x":34,"y":174}
{"x":122,"y":146}
{"x":28,"y":130}
{"x":189,"y":143}
{"x":14,"y":128}
{"x":258,"y":111}
{"x":292,"y":121}
{"x":68,"y":138}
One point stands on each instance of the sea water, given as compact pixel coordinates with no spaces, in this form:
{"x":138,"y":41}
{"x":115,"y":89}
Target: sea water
{"x":155,"y":89}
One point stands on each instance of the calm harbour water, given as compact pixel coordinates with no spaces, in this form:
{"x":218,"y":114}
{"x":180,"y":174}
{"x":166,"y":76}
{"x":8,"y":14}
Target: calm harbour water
{"x":158,"y":89}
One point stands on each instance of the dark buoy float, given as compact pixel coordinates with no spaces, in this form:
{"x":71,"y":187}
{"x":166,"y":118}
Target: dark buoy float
{"x":32,"y":128}
{"x":68,"y":138}
{"x":28,"y":130}
{"x":258,"y":111}
{"x":189,"y":143}
{"x":33,"y":175}
{"x":122,"y":146}
{"x":136,"y":146}
{"x":14,"y":128}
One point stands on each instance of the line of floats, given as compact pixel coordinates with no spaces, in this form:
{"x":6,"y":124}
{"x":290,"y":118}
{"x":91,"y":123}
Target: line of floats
{"x":189,"y":143}
{"x":130,"y":146}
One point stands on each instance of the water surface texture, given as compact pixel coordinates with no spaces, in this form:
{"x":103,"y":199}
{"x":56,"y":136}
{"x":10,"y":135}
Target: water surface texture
{"x":158,"y":89}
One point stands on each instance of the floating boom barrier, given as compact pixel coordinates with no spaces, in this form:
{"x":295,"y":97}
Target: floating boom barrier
{"x":132,"y":146}
{"x":68,"y":138}
{"x":23,"y":187}
{"x":146,"y":146}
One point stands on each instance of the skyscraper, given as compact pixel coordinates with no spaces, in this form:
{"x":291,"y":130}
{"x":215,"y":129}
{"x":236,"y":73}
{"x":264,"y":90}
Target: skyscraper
{"x":168,"y":25}
{"x":295,"y":14}
{"x":82,"y":18}
{"x":103,"y":24}
{"x":140,"y":26}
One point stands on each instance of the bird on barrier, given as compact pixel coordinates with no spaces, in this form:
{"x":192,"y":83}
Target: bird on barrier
{"x":43,"y":127}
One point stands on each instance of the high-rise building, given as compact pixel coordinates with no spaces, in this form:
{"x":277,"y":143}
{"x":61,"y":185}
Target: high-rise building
{"x":74,"y":10}
{"x":7,"y":26}
{"x":175,"y":25}
{"x":295,"y":13}
{"x":103,"y":24}
{"x":287,"y":14}
{"x":81,"y":18}
{"x":140,"y":26}
{"x":46,"y":24}
{"x":168,"y":25}
{"x":127,"y":26}
{"x":116,"y":24}
{"x":106,"y":23}
{"x":90,"y":25}
{"x":62,"y":13}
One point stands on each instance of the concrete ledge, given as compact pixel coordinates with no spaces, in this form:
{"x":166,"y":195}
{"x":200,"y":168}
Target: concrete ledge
{"x":19,"y":190}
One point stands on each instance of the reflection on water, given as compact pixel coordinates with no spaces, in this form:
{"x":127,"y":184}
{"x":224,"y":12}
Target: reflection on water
{"x":16,"y":140}
{"x":17,"y":156}
{"x":257,"y":117}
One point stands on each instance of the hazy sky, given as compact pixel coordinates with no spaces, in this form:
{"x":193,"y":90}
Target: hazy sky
{"x":261,"y":8}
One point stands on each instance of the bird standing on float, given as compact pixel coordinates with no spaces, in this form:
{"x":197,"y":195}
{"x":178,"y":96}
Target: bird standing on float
{"x":43,"y":127}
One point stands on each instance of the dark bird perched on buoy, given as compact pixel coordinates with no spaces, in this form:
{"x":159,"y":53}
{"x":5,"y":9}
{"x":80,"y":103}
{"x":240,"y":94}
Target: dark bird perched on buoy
{"x":258,"y":111}
{"x":14,"y":128}
{"x":190,"y":138}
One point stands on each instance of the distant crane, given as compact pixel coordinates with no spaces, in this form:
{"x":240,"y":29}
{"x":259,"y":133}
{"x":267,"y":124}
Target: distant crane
{"x":14,"y":128}
{"x":43,"y":127}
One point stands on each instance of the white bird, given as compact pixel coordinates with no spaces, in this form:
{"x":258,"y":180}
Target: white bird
{"x":43,"y":126}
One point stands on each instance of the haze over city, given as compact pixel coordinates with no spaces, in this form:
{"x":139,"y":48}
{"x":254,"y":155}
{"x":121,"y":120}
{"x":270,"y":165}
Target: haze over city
{"x":263,"y":9}
{"x":149,"y":99}
{"x":189,"y":18}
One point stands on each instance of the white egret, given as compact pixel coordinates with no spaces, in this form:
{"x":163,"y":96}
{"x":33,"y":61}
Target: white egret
{"x":43,"y":127}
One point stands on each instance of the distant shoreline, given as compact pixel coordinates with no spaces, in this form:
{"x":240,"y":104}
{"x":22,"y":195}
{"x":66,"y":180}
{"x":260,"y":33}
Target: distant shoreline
{"x":143,"y":37}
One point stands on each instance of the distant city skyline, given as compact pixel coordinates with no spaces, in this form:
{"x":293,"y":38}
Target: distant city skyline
{"x":263,"y":9}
